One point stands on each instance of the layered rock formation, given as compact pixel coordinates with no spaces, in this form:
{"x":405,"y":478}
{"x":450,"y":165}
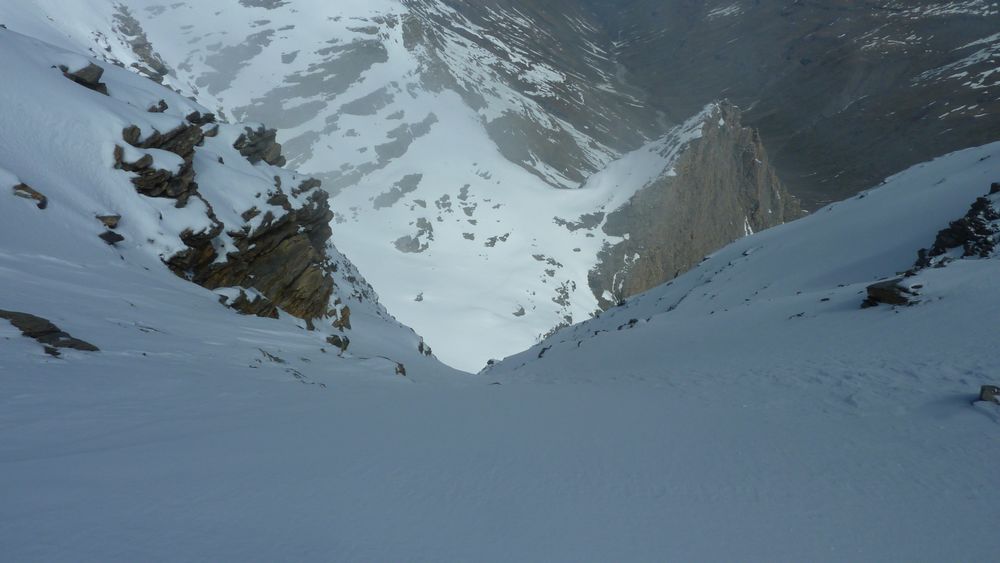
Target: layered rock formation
{"x":280,"y":252}
{"x":723,"y":188}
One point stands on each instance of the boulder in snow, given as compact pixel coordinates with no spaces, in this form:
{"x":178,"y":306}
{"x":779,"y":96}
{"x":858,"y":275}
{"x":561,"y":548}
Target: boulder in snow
{"x":47,"y":334}
{"x":88,"y":77}
{"x":27,"y":192}
{"x":889,"y":292}
{"x":110,"y":221}
{"x":990,"y":393}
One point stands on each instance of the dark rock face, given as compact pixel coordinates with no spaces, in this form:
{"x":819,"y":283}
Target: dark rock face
{"x":843,"y":93}
{"x":27,"y":192}
{"x":724,"y":188}
{"x":284,"y":259}
{"x":151,"y":65}
{"x":46,"y":333}
{"x":89,"y":77}
{"x":260,"y":145}
{"x":976,"y":234}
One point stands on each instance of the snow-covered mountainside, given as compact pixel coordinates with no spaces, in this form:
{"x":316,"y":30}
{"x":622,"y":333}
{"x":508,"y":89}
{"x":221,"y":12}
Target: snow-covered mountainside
{"x":751,"y":410}
{"x":117,"y":194}
{"x":793,"y":296}
{"x":460,"y":143}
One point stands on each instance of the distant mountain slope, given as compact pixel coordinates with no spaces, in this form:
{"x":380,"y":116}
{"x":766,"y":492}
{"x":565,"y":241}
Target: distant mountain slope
{"x":843,"y":93}
{"x":128,"y":194}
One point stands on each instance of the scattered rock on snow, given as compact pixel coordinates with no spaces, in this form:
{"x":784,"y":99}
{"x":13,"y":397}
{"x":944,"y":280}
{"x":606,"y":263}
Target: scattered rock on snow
{"x":111,"y":237}
{"x":196,"y":118}
{"x":258,"y":305}
{"x":889,"y":292}
{"x":46,"y":333}
{"x":160,"y":107}
{"x":341,"y":342}
{"x":27,"y":192}
{"x":110,"y":221}
{"x":990,"y":393}
{"x":88,"y":77}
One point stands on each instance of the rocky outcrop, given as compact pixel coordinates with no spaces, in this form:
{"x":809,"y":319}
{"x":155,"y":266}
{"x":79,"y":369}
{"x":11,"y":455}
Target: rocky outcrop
{"x":260,"y":145}
{"x":283,"y":257}
{"x":51,"y":337}
{"x":155,"y":182}
{"x":976,"y":235}
{"x":724,"y":188}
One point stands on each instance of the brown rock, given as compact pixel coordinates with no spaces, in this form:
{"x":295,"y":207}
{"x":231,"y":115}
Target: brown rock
{"x":258,"y":306}
{"x":341,"y":342}
{"x":110,"y":221}
{"x":724,"y":183}
{"x":153,"y":182}
{"x":27,"y":192}
{"x":160,"y":107}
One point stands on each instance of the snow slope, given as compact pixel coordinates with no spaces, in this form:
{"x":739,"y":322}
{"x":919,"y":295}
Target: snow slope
{"x":441,"y":139}
{"x":740,"y":417}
